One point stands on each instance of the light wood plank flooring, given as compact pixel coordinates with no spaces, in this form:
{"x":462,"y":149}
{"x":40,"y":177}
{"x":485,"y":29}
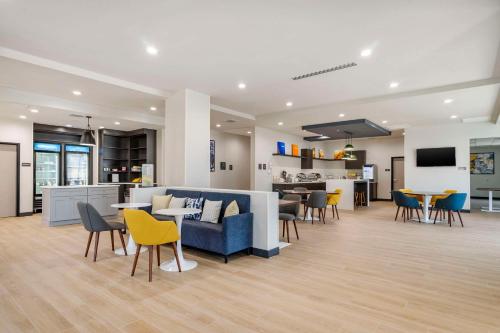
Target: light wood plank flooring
{"x":365,"y":273}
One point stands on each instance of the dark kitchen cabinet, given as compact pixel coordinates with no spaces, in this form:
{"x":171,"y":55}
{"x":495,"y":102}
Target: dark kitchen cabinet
{"x":359,"y":162}
{"x":306,"y":161}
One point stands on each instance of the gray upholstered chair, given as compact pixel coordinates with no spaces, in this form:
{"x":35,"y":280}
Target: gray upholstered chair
{"x":290,"y":213}
{"x":94,"y":223}
{"x":303,"y":196}
{"x":317,"y":199}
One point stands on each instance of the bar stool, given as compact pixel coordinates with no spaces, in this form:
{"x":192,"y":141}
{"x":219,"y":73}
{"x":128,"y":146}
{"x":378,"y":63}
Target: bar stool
{"x":359,"y":199}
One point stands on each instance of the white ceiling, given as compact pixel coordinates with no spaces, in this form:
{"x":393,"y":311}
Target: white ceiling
{"x":434,"y":49}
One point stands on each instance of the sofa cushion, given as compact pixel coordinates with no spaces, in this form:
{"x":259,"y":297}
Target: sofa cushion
{"x":160,"y":202}
{"x":194,"y":203}
{"x":203,"y":235}
{"x":211,"y":211}
{"x":177,"y":202}
{"x":232,"y":209}
{"x":183,"y":193}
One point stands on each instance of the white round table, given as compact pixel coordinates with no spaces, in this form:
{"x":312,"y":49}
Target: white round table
{"x":427,"y":195}
{"x":131,"y":247}
{"x":186,"y":265}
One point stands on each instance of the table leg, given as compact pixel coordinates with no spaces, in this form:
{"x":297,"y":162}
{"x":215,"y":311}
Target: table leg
{"x":427,"y":201}
{"x":171,"y":265}
{"x":490,"y":208}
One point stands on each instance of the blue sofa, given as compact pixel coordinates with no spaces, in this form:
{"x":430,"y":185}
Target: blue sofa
{"x":230,"y":235}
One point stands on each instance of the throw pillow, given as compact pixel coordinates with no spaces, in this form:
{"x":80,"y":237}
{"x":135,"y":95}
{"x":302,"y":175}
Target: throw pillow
{"x":177,"y":202}
{"x":160,"y":202}
{"x":232,"y":209}
{"x":211,"y":211}
{"x":194,"y":203}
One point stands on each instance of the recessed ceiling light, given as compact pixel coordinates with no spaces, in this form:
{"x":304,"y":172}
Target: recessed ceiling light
{"x":69,"y":125}
{"x":453,"y":116}
{"x":117,"y":123}
{"x":280,"y":123}
{"x":152,"y":108}
{"x":152,"y":50}
{"x":34,"y":110}
{"x":242,"y":85}
{"x":77,"y":92}
{"x":101,"y":127}
{"x":366,"y":53}
{"x":404,"y":133}
{"x":289,"y":104}
{"x":394,"y":84}
{"x":22,"y":116}
{"x":249,"y":132}
{"x":324,"y":137}
{"x":218,"y":125}
{"x":448,"y":101}
{"x":341,"y":115}
{"x":384,"y":121}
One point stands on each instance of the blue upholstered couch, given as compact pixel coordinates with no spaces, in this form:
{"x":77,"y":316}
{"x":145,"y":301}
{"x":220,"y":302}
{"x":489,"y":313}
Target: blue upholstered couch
{"x":232,"y":234}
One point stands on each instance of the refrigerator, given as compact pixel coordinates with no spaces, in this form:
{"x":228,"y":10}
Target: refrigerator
{"x":76,"y":165}
{"x":47,"y":166}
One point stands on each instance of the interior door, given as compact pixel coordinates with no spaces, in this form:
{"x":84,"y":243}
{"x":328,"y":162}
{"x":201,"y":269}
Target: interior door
{"x":8,"y":170}
{"x":398,"y":173}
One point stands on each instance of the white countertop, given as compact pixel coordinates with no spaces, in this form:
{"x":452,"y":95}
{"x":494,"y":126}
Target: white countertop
{"x":296,"y":183}
{"x":78,"y":186}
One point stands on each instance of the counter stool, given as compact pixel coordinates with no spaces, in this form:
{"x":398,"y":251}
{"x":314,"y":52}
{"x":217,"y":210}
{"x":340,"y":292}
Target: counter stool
{"x":359,"y":199}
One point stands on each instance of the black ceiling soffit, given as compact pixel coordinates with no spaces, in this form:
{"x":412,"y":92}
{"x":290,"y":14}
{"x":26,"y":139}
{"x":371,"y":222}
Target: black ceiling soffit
{"x":358,"y":128}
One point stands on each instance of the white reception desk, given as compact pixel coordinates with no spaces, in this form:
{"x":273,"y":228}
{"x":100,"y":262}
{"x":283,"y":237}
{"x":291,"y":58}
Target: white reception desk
{"x":59,"y":202}
{"x":348,"y":188}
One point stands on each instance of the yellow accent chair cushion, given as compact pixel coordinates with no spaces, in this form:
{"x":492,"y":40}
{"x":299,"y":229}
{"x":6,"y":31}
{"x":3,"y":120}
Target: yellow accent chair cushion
{"x":334,"y":198}
{"x":146,"y":230}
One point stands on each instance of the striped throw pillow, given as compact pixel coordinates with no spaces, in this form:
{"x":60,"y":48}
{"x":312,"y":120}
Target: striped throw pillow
{"x":211,"y":211}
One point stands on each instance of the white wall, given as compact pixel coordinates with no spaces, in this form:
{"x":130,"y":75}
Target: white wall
{"x":235,"y":150}
{"x":454,"y":135}
{"x":19,"y":131}
{"x":486,"y":180}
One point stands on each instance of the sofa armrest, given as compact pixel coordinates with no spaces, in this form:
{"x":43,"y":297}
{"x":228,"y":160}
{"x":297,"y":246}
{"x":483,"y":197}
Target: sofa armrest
{"x":237,"y":232}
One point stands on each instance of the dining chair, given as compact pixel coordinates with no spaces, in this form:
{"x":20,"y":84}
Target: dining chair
{"x":289,"y":213}
{"x":333,"y":199}
{"x":452,"y":203}
{"x":436,"y":197}
{"x":317,"y":199}
{"x":148,"y":231}
{"x":93,"y":222}
{"x":407,"y":203}
{"x":303,"y":196}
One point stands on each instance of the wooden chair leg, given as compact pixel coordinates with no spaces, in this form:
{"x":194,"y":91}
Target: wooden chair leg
{"x":306,"y":209}
{"x":333,"y":212}
{"x":449,"y":219}
{"x":283,"y":236}
{"x":137,"y":252}
{"x":88,"y":243}
{"x":96,"y":245}
{"x":174,"y":247}
{"x":460,"y":217}
{"x":312,"y":214}
{"x":150,"y":250}
{"x":296,"y":232}
{"x":397,"y":212}
{"x":324,"y":215}
{"x":123,"y":242}
{"x":287,"y":232}
{"x":436,"y":216}
{"x":418,"y":215}
{"x":158,"y":254}
{"x":112,"y":240}
{"x":452,"y":216}
{"x":337,"y":211}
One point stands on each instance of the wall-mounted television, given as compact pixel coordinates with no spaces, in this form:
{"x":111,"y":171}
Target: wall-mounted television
{"x":433,"y":157}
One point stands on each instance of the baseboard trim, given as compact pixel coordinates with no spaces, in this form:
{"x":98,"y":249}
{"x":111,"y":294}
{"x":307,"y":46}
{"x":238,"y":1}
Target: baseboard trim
{"x":265,"y":253}
{"x":381,"y":199}
{"x":25,"y":214}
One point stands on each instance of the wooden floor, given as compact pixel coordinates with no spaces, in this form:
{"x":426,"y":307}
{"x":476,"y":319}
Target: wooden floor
{"x":365,"y":273}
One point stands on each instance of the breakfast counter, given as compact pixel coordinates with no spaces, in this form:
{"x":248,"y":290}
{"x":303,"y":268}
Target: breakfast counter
{"x":349,"y":187}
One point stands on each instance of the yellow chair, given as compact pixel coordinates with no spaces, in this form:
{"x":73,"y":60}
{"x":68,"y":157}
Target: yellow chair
{"x":409,"y":192}
{"x":148,"y":231}
{"x":332,"y":199}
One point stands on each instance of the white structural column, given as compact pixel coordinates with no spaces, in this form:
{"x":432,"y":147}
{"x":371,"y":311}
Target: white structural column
{"x":187,"y":139}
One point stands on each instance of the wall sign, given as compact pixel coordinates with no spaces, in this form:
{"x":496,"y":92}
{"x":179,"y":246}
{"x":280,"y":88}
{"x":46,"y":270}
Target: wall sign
{"x":26,"y":164}
{"x":212,"y":155}
{"x":51,"y":147}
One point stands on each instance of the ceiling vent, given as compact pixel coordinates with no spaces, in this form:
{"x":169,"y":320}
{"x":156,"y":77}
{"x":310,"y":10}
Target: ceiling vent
{"x":324,"y":71}
{"x":76,"y":115}
{"x":230,"y":121}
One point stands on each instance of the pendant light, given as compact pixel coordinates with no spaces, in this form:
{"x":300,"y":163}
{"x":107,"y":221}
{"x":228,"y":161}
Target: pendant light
{"x":349,"y":146}
{"x":88,"y":138}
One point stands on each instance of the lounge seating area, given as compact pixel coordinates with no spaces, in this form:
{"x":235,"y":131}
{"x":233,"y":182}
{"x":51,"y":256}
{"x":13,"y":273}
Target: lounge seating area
{"x":241,"y":166}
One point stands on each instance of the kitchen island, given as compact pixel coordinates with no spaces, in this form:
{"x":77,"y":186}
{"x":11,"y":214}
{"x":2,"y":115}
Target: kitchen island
{"x":349,"y":187}
{"x":59,"y":202}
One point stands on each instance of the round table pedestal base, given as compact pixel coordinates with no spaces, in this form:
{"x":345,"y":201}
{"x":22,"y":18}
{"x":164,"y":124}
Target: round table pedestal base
{"x":171,"y":266}
{"x":121,"y":252}
{"x":493,"y":210}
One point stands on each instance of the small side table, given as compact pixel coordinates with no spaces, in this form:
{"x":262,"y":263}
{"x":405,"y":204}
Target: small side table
{"x":131,"y":247}
{"x":186,"y":265}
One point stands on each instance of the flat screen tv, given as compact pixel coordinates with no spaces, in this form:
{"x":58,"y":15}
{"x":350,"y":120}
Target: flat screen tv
{"x":433,"y":157}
